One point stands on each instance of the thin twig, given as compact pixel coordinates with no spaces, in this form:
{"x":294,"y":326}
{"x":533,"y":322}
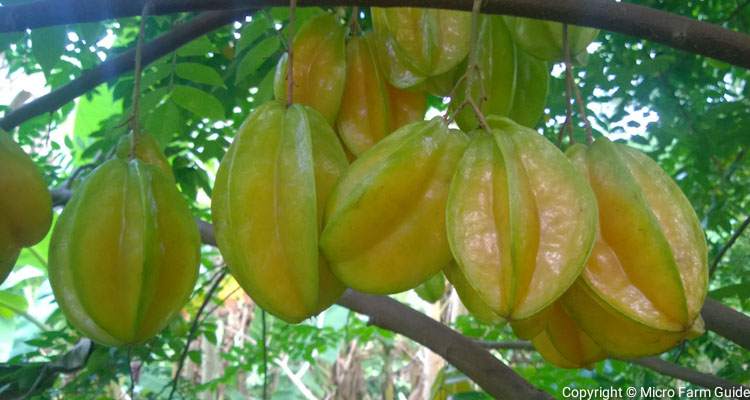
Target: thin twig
{"x":290,"y":59}
{"x":582,"y":112}
{"x":265,"y":354}
{"x":568,"y":92}
{"x":134,"y":121}
{"x":354,"y":21}
{"x":217,"y":279}
{"x":728,"y":245}
{"x":131,"y":389}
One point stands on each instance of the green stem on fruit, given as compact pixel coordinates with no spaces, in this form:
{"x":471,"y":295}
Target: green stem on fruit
{"x":134,"y":117}
{"x":290,"y":59}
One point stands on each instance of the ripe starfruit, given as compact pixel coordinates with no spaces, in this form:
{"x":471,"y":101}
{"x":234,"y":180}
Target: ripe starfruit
{"x":372,"y":107}
{"x":432,"y":289}
{"x":544,"y":39}
{"x":425,"y":41}
{"x":385,"y":231}
{"x":365,"y":114}
{"x":124,"y":253}
{"x":562,"y":342}
{"x":406,"y":106}
{"x":319,"y":66}
{"x":521,"y":221}
{"x":268,"y":204}
{"x":25,"y":206}
{"x":514,"y":83}
{"x":646,"y":280}
{"x":469,"y":297}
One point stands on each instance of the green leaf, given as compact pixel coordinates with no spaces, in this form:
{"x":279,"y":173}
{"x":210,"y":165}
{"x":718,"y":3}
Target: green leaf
{"x":199,"y":73}
{"x":198,"y":102}
{"x":47,"y":45}
{"x":91,"y":112}
{"x":736,"y":290}
{"x":198,"y":47}
{"x":163,"y":123}
{"x":13,"y":302}
{"x":254,"y":58}
{"x":252,"y":31}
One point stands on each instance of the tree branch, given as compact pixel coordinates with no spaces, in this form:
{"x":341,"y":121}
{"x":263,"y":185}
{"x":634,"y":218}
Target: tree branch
{"x":653,"y":363}
{"x":477,"y":363}
{"x":727,"y":322}
{"x":728,"y":245}
{"x":684,"y":374}
{"x":672,"y":30}
{"x":125,"y":62}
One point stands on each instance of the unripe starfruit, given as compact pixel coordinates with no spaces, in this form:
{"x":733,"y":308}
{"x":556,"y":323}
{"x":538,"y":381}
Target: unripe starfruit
{"x":146,"y":149}
{"x":646,"y":280}
{"x":521,"y":221}
{"x":319,"y":66}
{"x":124,"y":253}
{"x":544,"y":39}
{"x":432,"y":289}
{"x":426,"y":41}
{"x":514,"y":84}
{"x":25,"y":205}
{"x":385,"y":230}
{"x":268,"y":204}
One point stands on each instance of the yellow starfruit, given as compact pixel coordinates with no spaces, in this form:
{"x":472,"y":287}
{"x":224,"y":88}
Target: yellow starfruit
{"x":646,"y":280}
{"x":25,"y":206}
{"x":124,"y":253}
{"x":521,"y":221}
{"x":385,"y":231}
{"x":563,"y":343}
{"x":267,"y":209}
{"x":406,"y":106}
{"x":319,"y":71}
{"x":426,"y":41}
{"x":365,"y":115}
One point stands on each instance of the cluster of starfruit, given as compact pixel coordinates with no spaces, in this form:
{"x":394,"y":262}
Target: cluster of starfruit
{"x":589,"y":254}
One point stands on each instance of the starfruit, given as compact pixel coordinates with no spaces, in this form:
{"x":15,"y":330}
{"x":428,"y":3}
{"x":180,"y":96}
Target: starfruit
{"x":267,"y":208}
{"x":25,"y":206}
{"x":406,"y":106}
{"x":514,"y":84}
{"x":365,"y":114}
{"x":385,"y":230}
{"x":432,"y":289}
{"x":319,"y":66}
{"x":469,"y":297}
{"x":521,"y":221}
{"x":124,"y":253}
{"x":426,"y":41}
{"x":646,"y":280}
{"x":562,"y":342}
{"x":544,"y":39}
{"x":146,"y":149}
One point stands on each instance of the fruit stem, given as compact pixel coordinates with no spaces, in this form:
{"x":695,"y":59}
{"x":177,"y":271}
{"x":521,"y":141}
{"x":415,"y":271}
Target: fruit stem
{"x":134,"y":118}
{"x":568,"y":124}
{"x":290,"y":59}
{"x":354,"y":21}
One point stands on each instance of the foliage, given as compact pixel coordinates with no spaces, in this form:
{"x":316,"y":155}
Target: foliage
{"x":690,"y":113}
